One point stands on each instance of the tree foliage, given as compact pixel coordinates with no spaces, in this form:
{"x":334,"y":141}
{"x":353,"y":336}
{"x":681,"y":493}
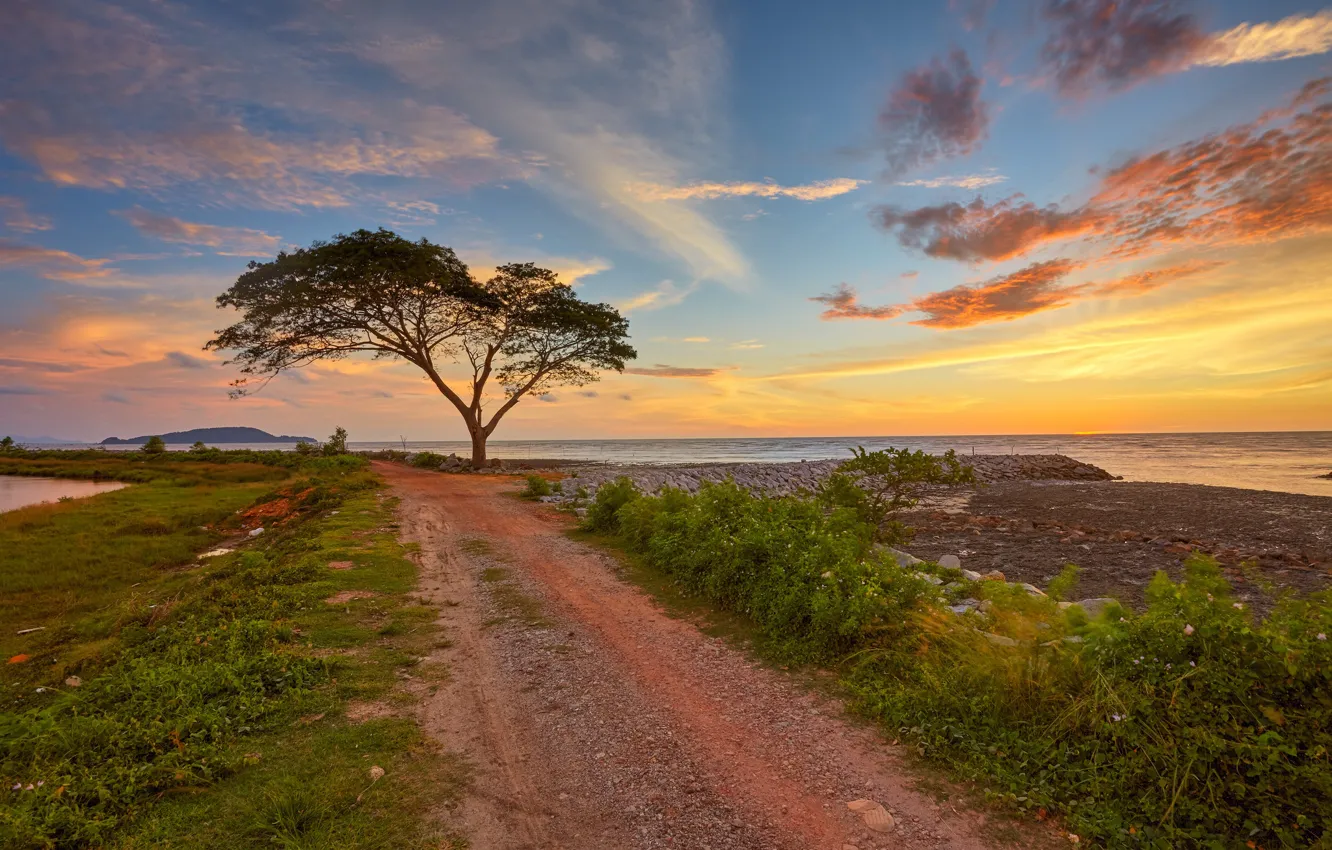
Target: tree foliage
{"x":337,"y":442}
{"x":379,"y":294}
{"x":878,"y":485}
{"x":154,"y":446}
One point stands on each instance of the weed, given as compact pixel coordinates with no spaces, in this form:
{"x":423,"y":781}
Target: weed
{"x":536,"y":487}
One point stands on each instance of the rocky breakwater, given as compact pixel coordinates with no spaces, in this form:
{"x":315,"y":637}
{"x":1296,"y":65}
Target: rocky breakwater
{"x":780,"y":479}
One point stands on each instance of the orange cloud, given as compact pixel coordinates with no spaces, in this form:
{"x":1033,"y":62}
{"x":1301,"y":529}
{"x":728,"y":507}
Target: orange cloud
{"x":844,"y":303}
{"x":1033,"y":289}
{"x":231,"y":241}
{"x":1262,"y":181}
{"x":1029,"y":290}
{"x":980,"y":231}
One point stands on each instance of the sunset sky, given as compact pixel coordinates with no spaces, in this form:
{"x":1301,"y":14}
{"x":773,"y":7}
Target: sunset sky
{"x":837,"y":218}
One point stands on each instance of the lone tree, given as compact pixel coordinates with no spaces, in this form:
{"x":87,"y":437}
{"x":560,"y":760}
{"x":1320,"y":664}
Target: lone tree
{"x":378,"y":293}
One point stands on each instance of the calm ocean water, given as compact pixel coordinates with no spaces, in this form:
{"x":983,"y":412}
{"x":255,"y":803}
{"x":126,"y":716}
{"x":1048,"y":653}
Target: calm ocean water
{"x":1288,"y":461}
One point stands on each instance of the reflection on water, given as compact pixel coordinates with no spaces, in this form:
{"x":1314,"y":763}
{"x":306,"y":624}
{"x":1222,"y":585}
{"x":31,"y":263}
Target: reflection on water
{"x":17,"y":491}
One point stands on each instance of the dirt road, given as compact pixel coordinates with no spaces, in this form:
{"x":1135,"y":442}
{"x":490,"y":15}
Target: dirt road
{"x":594,"y":720}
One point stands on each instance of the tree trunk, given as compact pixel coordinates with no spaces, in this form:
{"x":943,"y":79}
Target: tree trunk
{"x":478,"y":448}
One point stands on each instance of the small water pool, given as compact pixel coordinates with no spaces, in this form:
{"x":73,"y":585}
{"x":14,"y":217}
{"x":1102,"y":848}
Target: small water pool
{"x":17,"y":491}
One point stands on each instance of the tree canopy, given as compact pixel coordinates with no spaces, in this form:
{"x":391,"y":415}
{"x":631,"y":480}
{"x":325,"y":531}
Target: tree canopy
{"x":377,"y":293}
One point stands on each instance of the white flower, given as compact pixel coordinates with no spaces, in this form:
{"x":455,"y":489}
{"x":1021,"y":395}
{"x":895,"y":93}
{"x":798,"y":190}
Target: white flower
{"x":1188,"y":630}
{"x":1239,"y":606}
{"x":1322,"y":636}
{"x":1191,"y":664}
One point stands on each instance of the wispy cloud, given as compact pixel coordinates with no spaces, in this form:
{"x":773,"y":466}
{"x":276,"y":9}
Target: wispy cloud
{"x":181,"y":360}
{"x":661,"y":370}
{"x":844,"y":303}
{"x":53,"y":263}
{"x":1288,"y":38}
{"x":816,"y":191}
{"x":961,"y":181}
{"x":14,"y":215}
{"x":229,"y":241}
{"x":664,"y":294}
{"x":746,"y":345}
{"x":934,"y":113}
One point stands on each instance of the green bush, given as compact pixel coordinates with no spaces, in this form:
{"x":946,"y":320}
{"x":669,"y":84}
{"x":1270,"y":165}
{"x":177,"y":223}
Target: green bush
{"x":154,"y":446}
{"x":1192,"y":724}
{"x":536,"y":487}
{"x":427,"y":460}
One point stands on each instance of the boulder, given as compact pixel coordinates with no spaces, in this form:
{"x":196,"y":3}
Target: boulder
{"x":1032,"y":589}
{"x":1094,"y":607}
{"x":903,"y":559}
{"x":935,"y":580}
{"x":950,"y":562}
{"x":972,"y":575}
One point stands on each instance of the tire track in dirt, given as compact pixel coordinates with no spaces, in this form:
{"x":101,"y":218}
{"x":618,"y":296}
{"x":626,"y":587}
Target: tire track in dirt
{"x":611,"y":719}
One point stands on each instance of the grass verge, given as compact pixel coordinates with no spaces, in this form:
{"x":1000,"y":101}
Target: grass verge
{"x":239,"y":702}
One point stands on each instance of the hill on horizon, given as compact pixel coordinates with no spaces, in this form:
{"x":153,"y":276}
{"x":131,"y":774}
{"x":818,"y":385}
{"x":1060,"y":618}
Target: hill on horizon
{"x":211,"y":435}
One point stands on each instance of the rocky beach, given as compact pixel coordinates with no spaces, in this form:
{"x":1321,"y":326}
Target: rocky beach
{"x":1029,"y":515}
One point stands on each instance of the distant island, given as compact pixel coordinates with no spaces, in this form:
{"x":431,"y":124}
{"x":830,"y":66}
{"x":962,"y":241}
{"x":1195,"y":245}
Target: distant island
{"x":211,"y":435}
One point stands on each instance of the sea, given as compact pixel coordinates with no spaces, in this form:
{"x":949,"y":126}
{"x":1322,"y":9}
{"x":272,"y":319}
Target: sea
{"x":1286,"y":461}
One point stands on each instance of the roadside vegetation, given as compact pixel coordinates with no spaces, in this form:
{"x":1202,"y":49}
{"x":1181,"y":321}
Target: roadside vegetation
{"x":164,"y":700}
{"x":1189,"y":724}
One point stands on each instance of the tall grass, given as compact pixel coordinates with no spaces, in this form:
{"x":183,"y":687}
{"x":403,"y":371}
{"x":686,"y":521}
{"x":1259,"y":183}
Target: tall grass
{"x":1191,"y":724}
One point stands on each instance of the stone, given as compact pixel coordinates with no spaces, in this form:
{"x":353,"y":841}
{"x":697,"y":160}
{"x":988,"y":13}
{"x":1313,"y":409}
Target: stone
{"x":904,"y":559}
{"x":950,"y":562}
{"x":935,"y":580}
{"x":986,"y":606}
{"x":1094,"y":607}
{"x":972,"y":575}
{"x":73,"y":681}
{"x":214,"y":553}
{"x":999,"y":640}
{"x":256,"y":532}
{"x":994,"y":575}
{"x":878,"y":819}
{"x":964,"y":605}
{"x":1032,"y":589}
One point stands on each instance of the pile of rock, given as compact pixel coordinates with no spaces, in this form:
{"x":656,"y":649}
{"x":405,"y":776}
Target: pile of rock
{"x":1092,"y":607}
{"x":779,"y":479}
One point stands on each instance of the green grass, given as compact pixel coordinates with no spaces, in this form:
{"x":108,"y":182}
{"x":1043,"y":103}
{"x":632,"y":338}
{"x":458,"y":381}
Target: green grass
{"x":212,"y":707}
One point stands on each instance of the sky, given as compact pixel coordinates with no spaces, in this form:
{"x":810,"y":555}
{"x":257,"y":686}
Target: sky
{"x":821,"y":219}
